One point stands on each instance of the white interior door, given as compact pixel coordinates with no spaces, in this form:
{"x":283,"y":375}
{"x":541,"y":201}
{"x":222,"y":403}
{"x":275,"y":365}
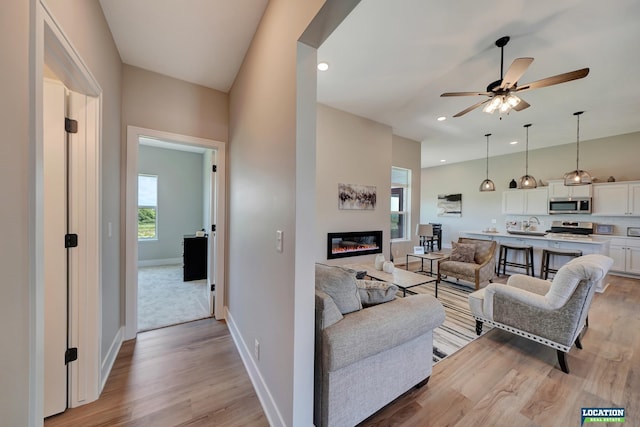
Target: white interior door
{"x":55,"y":254}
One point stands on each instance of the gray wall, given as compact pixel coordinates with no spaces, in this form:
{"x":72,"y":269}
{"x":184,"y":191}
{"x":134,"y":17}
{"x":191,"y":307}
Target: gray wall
{"x":351,"y":150}
{"x":180,"y":199}
{"x":354,"y":150}
{"x":86,"y":28}
{"x":262,"y":185}
{"x":15,"y":178}
{"x":153,"y":101}
{"x":604,"y":157}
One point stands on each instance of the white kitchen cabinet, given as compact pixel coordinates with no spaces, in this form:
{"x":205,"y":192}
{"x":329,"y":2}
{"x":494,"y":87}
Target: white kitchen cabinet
{"x":513,"y":202}
{"x":625,"y":254}
{"x":525,"y":202}
{"x":616,"y":199}
{"x":558,"y":189}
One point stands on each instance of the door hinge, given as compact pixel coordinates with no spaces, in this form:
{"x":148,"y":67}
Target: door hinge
{"x":70,"y":355}
{"x":70,"y":125}
{"x":213,"y":287}
{"x":70,"y":240}
{"x":213,"y":227}
{"x":214,"y":168}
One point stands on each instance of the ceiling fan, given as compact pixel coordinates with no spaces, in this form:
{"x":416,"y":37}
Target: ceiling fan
{"x":502,"y":93}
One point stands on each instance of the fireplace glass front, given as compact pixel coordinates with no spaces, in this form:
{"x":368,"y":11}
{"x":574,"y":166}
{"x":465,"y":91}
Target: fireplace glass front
{"x":342,"y":245}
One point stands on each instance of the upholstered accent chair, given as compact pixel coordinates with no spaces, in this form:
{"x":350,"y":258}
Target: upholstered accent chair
{"x":552,"y":313}
{"x":367,"y":352}
{"x":479,"y":269}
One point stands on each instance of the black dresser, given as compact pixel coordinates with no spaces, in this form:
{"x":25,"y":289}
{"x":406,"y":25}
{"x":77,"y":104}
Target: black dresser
{"x":194,"y":258}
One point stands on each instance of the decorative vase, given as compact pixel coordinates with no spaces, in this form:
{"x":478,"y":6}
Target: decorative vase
{"x":388,"y":267}
{"x":379,"y":261}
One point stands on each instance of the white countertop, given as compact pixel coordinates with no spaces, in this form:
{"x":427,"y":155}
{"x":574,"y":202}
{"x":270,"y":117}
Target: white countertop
{"x":593,"y":240}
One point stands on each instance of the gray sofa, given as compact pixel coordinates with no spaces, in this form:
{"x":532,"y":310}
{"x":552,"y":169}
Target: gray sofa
{"x":367,"y":357}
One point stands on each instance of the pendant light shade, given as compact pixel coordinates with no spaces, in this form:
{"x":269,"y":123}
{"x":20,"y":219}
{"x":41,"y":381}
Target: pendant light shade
{"x":578,"y":176}
{"x":487,"y":184}
{"x":527,"y":181}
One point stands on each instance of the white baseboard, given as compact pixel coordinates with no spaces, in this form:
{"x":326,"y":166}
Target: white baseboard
{"x":157,"y":262}
{"x":264,"y":395}
{"x":109,"y":360}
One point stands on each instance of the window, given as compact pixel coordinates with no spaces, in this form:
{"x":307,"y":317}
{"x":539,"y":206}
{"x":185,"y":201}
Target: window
{"x":400,"y":202}
{"x":147,"y":207}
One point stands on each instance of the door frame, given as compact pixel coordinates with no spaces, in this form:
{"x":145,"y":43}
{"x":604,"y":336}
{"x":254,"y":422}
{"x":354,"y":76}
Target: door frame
{"x":131,"y":225}
{"x":50,"y":46}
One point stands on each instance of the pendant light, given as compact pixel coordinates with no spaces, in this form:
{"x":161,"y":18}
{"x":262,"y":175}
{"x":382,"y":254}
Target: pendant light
{"x":527,"y":181}
{"x":578,"y":176}
{"x":487,"y":184}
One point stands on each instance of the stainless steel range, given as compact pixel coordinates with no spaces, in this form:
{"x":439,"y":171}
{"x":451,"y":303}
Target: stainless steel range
{"x":570,"y":229}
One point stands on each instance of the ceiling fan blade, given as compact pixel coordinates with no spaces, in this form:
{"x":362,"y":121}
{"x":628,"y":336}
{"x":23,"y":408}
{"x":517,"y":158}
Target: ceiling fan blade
{"x":522,"y":105}
{"x":550,"y":81}
{"x":465,"y":93}
{"x":473,"y":107}
{"x":515,"y":71}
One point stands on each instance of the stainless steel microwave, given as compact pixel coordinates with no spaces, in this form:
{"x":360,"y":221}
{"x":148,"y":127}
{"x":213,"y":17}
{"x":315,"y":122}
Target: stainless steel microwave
{"x":570,"y":205}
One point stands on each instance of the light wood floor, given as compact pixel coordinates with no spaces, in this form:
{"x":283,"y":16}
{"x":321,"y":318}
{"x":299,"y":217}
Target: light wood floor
{"x":505,"y":380}
{"x":184,"y":375}
{"x":192,"y":375}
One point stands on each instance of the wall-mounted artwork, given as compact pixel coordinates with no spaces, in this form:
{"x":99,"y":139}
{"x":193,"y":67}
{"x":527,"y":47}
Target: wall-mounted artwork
{"x":449,"y":204}
{"x":353,"y":196}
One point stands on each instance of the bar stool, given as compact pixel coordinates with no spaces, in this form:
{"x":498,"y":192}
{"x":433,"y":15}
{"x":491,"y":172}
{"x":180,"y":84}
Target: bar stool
{"x":546,"y":255}
{"x":503,"y":261}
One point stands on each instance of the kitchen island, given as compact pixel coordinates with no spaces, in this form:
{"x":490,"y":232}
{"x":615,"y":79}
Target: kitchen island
{"x":586,"y":244}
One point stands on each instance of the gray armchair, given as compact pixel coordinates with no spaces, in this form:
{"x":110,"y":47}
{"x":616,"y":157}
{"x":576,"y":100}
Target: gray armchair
{"x":367,"y":357}
{"x":552,"y":313}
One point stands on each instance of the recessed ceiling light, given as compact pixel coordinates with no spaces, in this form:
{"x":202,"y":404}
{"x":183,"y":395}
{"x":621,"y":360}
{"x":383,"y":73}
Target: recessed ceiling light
{"x":442,"y":118}
{"x":513,"y":142}
{"x":323,"y":66}
{"x":442,"y":161}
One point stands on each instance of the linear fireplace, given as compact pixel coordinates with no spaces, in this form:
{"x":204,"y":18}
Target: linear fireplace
{"x":342,"y":245}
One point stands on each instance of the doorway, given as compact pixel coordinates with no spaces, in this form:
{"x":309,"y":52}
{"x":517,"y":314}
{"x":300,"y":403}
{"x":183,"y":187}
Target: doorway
{"x":213,"y":218}
{"x":70,"y":239}
{"x":172,"y":237}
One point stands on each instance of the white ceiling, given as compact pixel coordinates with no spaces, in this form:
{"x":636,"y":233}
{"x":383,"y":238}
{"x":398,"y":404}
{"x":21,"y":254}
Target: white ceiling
{"x":391,"y":60}
{"x":199,"y":41}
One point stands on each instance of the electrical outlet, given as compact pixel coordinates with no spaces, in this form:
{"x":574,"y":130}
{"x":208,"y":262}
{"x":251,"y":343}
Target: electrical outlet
{"x":256,"y":349}
{"x":493,"y":221}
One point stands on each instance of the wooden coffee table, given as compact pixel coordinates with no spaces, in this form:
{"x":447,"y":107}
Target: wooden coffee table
{"x":403,"y":279}
{"x":430,"y":256}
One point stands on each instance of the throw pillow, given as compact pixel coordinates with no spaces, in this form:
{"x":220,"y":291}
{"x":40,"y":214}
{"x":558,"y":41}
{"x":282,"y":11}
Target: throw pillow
{"x":462,"y":252}
{"x":340,"y":284}
{"x":373,"y":292}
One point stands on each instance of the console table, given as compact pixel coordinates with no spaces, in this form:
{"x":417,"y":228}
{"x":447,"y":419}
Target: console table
{"x":194,"y":258}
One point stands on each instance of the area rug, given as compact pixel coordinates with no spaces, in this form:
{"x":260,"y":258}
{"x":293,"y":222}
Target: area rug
{"x":459,"y":327}
{"x":164,"y":299}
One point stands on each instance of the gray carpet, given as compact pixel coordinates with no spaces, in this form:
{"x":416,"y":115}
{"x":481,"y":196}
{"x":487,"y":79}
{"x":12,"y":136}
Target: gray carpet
{"x":164,"y":299}
{"x":459,"y":327}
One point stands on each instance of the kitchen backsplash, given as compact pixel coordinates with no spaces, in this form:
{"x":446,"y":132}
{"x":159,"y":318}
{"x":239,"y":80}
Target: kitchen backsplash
{"x":619,"y":223}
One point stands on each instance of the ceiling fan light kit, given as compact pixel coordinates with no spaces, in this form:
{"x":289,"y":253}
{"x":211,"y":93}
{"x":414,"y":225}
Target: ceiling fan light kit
{"x":487,"y":184}
{"x":578,"y":176}
{"x":502,"y":93}
{"x":527,"y":181}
